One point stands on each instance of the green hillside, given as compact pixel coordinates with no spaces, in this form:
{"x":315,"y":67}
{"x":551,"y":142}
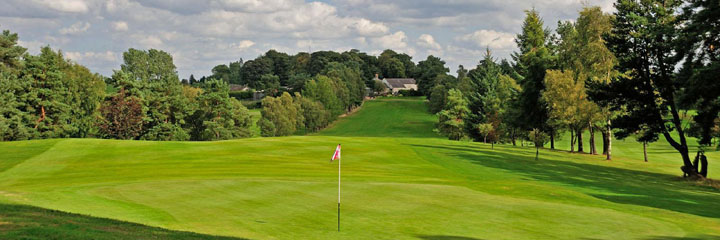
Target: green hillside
{"x":400,"y":181}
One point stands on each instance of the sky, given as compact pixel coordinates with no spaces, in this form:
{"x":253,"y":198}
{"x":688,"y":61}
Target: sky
{"x":202,"y":34}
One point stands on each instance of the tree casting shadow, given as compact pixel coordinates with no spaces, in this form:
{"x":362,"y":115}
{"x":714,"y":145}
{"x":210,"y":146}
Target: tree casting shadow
{"x":622,"y":185}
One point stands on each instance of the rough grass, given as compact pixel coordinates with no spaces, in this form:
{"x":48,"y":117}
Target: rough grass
{"x":400,"y":181}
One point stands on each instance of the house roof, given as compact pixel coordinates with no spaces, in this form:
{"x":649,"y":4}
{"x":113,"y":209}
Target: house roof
{"x":399,"y":82}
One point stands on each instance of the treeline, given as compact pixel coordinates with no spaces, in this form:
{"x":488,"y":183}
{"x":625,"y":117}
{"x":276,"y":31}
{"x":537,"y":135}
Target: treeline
{"x":649,"y":70}
{"x":275,"y":71}
{"x":49,"y":96}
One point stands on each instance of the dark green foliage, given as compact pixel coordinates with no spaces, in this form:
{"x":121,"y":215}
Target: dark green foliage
{"x":253,"y":70}
{"x":533,"y":59}
{"x":438,"y":98}
{"x":10,"y":53}
{"x":297,"y":81}
{"x":270,"y":84}
{"x":428,"y":71}
{"x":221,"y":72}
{"x":319,"y":60}
{"x":642,"y":33}
{"x":391,"y":66}
{"x":699,"y":46}
{"x":281,"y":66}
{"x":490,"y":97}
{"x":410,"y":93}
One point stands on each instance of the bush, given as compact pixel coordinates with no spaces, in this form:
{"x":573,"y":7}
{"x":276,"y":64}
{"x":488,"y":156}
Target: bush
{"x":242,"y":95}
{"x":166,"y":132}
{"x":410,"y":93}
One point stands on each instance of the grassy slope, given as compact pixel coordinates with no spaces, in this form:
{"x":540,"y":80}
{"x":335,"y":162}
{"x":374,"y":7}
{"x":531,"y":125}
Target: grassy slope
{"x":401,"y":182}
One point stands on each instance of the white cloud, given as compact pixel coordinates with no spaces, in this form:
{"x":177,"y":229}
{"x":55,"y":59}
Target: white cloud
{"x":367,"y":28}
{"x":243,"y":44}
{"x":396,"y":40}
{"x":427,"y":41}
{"x":149,"y":41}
{"x":490,"y":38}
{"x":120,"y":26}
{"x":68,"y":6}
{"x":78,"y":27}
{"x":92,"y":56}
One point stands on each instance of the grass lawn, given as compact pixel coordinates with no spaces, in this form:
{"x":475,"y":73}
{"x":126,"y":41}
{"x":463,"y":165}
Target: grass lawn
{"x":400,"y":181}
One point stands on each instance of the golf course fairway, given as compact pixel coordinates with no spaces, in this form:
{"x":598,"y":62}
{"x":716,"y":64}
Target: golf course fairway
{"x":400,"y":181}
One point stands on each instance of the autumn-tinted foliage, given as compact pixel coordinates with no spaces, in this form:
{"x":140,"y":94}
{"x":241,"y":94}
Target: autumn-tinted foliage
{"x":122,"y":117}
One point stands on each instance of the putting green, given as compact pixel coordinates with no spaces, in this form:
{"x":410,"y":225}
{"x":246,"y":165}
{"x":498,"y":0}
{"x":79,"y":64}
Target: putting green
{"x":399,"y":181}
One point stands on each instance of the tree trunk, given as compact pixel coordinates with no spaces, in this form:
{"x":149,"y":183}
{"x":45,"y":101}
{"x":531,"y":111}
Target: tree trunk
{"x":645,"y":150}
{"x":580,"y":140}
{"x":572,"y":140}
{"x":537,"y":152}
{"x":492,"y":145}
{"x":552,"y":139}
{"x":593,"y":151}
{"x":605,"y":141}
{"x":512,"y":137}
{"x":485,"y":139}
{"x":704,"y":166}
{"x":609,"y":140}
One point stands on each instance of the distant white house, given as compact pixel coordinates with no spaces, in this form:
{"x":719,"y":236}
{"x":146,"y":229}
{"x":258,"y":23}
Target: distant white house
{"x":394,"y":85}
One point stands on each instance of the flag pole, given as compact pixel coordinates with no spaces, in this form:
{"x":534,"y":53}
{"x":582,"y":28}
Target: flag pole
{"x":339,"y":164}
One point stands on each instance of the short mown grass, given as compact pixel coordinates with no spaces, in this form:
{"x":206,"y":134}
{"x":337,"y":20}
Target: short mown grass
{"x":400,"y":181}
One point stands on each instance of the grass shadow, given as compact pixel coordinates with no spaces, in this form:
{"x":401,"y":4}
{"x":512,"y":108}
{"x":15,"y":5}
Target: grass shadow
{"x":617,"y":185}
{"x":28,"y":222}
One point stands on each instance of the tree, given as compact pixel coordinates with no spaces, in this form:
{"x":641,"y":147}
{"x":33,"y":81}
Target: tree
{"x":427,"y":71}
{"x":698,"y":46}
{"x":14,"y":121}
{"x":280,"y":65}
{"x":539,"y":138}
{"x":151,"y":76}
{"x":221,"y":72}
{"x":451,"y":118}
{"x":10,"y":53}
{"x":218,"y":116}
{"x":533,"y":60}
{"x":490,"y":94}
{"x":438,"y":98}
{"x":647,"y":90}
{"x":595,"y":63}
{"x":121,"y":117}
{"x":568,"y":103}
{"x":253,"y":70}
{"x":347,"y":78}
{"x":314,"y":114}
{"x":280,"y":116}
{"x":485,"y":129}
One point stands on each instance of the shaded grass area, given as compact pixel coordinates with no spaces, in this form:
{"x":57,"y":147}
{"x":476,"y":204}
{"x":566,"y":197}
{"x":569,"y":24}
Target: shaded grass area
{"x":625,"y":186}
{"x":27,"y":222}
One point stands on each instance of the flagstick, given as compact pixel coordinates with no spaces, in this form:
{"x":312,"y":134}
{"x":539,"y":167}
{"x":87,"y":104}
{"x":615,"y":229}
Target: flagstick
{"x":339,"y":164}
